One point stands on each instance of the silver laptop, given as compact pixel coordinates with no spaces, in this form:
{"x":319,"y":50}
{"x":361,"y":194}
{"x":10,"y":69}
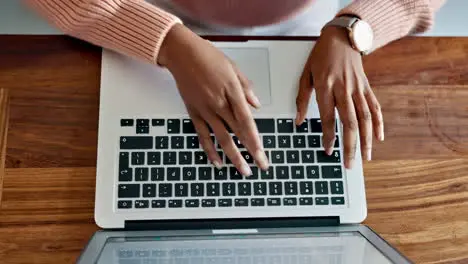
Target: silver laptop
{"x":152,"y":174}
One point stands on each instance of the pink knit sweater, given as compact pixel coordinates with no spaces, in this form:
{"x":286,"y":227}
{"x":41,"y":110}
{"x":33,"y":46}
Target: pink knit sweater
{"x":137,"y":28}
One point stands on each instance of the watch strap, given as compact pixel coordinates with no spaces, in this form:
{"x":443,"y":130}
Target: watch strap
{"x":342,"y":21}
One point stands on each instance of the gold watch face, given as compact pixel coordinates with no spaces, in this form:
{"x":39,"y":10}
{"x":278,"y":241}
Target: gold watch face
{"x":362,"y":36}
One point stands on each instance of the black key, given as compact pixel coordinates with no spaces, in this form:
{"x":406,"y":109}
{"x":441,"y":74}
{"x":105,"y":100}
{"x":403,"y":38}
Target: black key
{"x":124,"y":204}
{"x":229,"y":189}
{"x":289,"y":201}
{"x":185,"y":158}
{"x":176,"y":203}
{"x":158,"y":203}
{"x":285,"y":125}
{"x":126,"y":122}
{"x":307,"y":156}
{"x":165,"y":190}
{"x":220,"y":174}
{"x":321,"y":187}
{"x":157,"y":174}
{"x":265,"y":125}
{"x":315,"y":125}
{"x":129,"y":190}
{"x":141,"y":204}
{"x":189,"y":174}
{"x":125,"y":172}
{"x":138,"y":158}
{"x":241,"y":202}
{"x":234,"y":174}
{"x":260,"y":188}
{"x":313,"y":141}
{"x":192,"y":203}
{"x":142,"y":130}
{"x":142,"y":122}
{"x":244,"y":188}
{"x":276,"y":188}
{"x":181,"y":189}
{"x":205,"y":173}
{"x":188,"y":127}
{"x":154,"y":158}
{"x":267,"y":175}
{"x":306,"y":201}
{"x":321,"y":201}
{"x":254,"y":175}
{"x":277,"y":157}
{"x":220,"y":154}
{"x":149,"y":190}
{"x":124,"y":160}
{"x":257,"y":202}
{"x":173,"y":126}
{"x":303,"y":128}
{"x":212,"y":189}
{"x":136,"y":142}
{"x":336,"y":187}
{"x":197,"y":189}
{"x":292,"y":156}
{"x":192,"y":142}
{"x":200,"y":157}
{"x":173,"y":174}
{"x":162,"y":142}
{"x":225,"y":202}
{"x":269,"y":142}
{"x":141,"y":174}
{"x":312,"y":172}
{"x":337,"y":200}
{"x":177,"y":142}
{"x":208,"y":203}
{"x":142,"y":126}
{"x":297,"y":172}
{"x":169,"y":158}
{"x":237,"y":142}
{"x":299,"y":141}
{"x":331,"y":172}
{"x":306,"y":187}
{"x":282,"y":172}
{"x":337,"y":142}
{"x":290,"y":188}
{"x":274,"y":201}
{"x":284,"y":141}
{"x":157,"y":122}
{"x":246,"y":155}
{"x":322,"y":157}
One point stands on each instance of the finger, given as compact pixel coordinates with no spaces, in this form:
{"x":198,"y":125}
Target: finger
{"x":347,"y":114}
{"x":303,"y":96}
{"x":365,"y":124}
{"x":230,"y":149}
{"x":243,"y":124}
{"x":326,"y":104}
{"x":376,"y":111}
{"x":246,"y":84}
{"x":205,"y":140}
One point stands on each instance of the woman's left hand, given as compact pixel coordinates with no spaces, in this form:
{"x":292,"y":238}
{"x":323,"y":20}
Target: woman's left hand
{"x":334,"y":69}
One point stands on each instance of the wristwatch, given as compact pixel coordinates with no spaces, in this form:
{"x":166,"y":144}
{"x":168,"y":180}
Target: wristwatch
{"x":360,"y":34}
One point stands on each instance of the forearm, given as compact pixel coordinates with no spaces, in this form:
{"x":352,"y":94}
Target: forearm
{"x":394,"y":19}
{"x":131,"y":27}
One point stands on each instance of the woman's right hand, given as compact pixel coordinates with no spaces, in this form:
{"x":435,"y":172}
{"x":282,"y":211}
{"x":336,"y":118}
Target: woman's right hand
{"x":215,"y":92}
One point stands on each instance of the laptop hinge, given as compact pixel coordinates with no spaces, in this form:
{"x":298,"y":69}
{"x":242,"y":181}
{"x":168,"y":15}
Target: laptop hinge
{"x":192,"y":224}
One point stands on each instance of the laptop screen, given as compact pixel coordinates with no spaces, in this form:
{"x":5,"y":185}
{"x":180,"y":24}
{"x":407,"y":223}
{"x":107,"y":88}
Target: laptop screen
{"x":333,"y":248}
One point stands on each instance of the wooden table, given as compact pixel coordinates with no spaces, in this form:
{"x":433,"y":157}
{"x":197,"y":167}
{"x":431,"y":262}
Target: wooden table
{"x":417,"y":184}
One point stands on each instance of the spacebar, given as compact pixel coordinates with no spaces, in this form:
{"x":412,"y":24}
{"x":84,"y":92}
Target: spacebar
{"x":136,"y":142}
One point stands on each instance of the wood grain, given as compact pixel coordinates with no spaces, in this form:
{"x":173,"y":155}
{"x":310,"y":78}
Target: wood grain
{"x":416,"y":185}
{"x":4,"y":114}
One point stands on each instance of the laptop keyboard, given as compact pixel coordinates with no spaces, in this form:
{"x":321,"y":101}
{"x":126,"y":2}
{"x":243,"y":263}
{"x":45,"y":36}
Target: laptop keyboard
{"x":172,"y":170}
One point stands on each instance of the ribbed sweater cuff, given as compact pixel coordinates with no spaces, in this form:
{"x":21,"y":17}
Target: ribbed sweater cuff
{"x":391,"y":19}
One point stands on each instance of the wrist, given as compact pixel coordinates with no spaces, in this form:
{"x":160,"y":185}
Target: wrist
{"x":171,"y":44}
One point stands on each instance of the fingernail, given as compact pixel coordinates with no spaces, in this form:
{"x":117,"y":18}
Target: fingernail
{"x":256,"y":101}
{"x":329,"y":151}
{"x":262,"y":159}
{"x":217,"y":164}
{"x":298,"y":115}
{"x":245,"y":170}
{"x":381,"y":137}
{"x":369,"y":155}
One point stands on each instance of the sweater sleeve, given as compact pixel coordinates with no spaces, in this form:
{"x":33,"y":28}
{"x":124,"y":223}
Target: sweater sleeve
{"x":131,"y":27}
{"x":394,"y":19}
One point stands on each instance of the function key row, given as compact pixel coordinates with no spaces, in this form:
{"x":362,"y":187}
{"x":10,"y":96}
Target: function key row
{"x":264,"y":125}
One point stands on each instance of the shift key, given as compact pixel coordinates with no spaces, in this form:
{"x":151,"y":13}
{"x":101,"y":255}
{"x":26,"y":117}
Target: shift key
{"x":136,"y":142}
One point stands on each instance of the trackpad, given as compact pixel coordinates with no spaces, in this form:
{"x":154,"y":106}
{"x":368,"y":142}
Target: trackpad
{"x":254,"y":64}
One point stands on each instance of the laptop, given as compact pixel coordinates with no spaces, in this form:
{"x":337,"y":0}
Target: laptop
{"x":166,"y":204}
